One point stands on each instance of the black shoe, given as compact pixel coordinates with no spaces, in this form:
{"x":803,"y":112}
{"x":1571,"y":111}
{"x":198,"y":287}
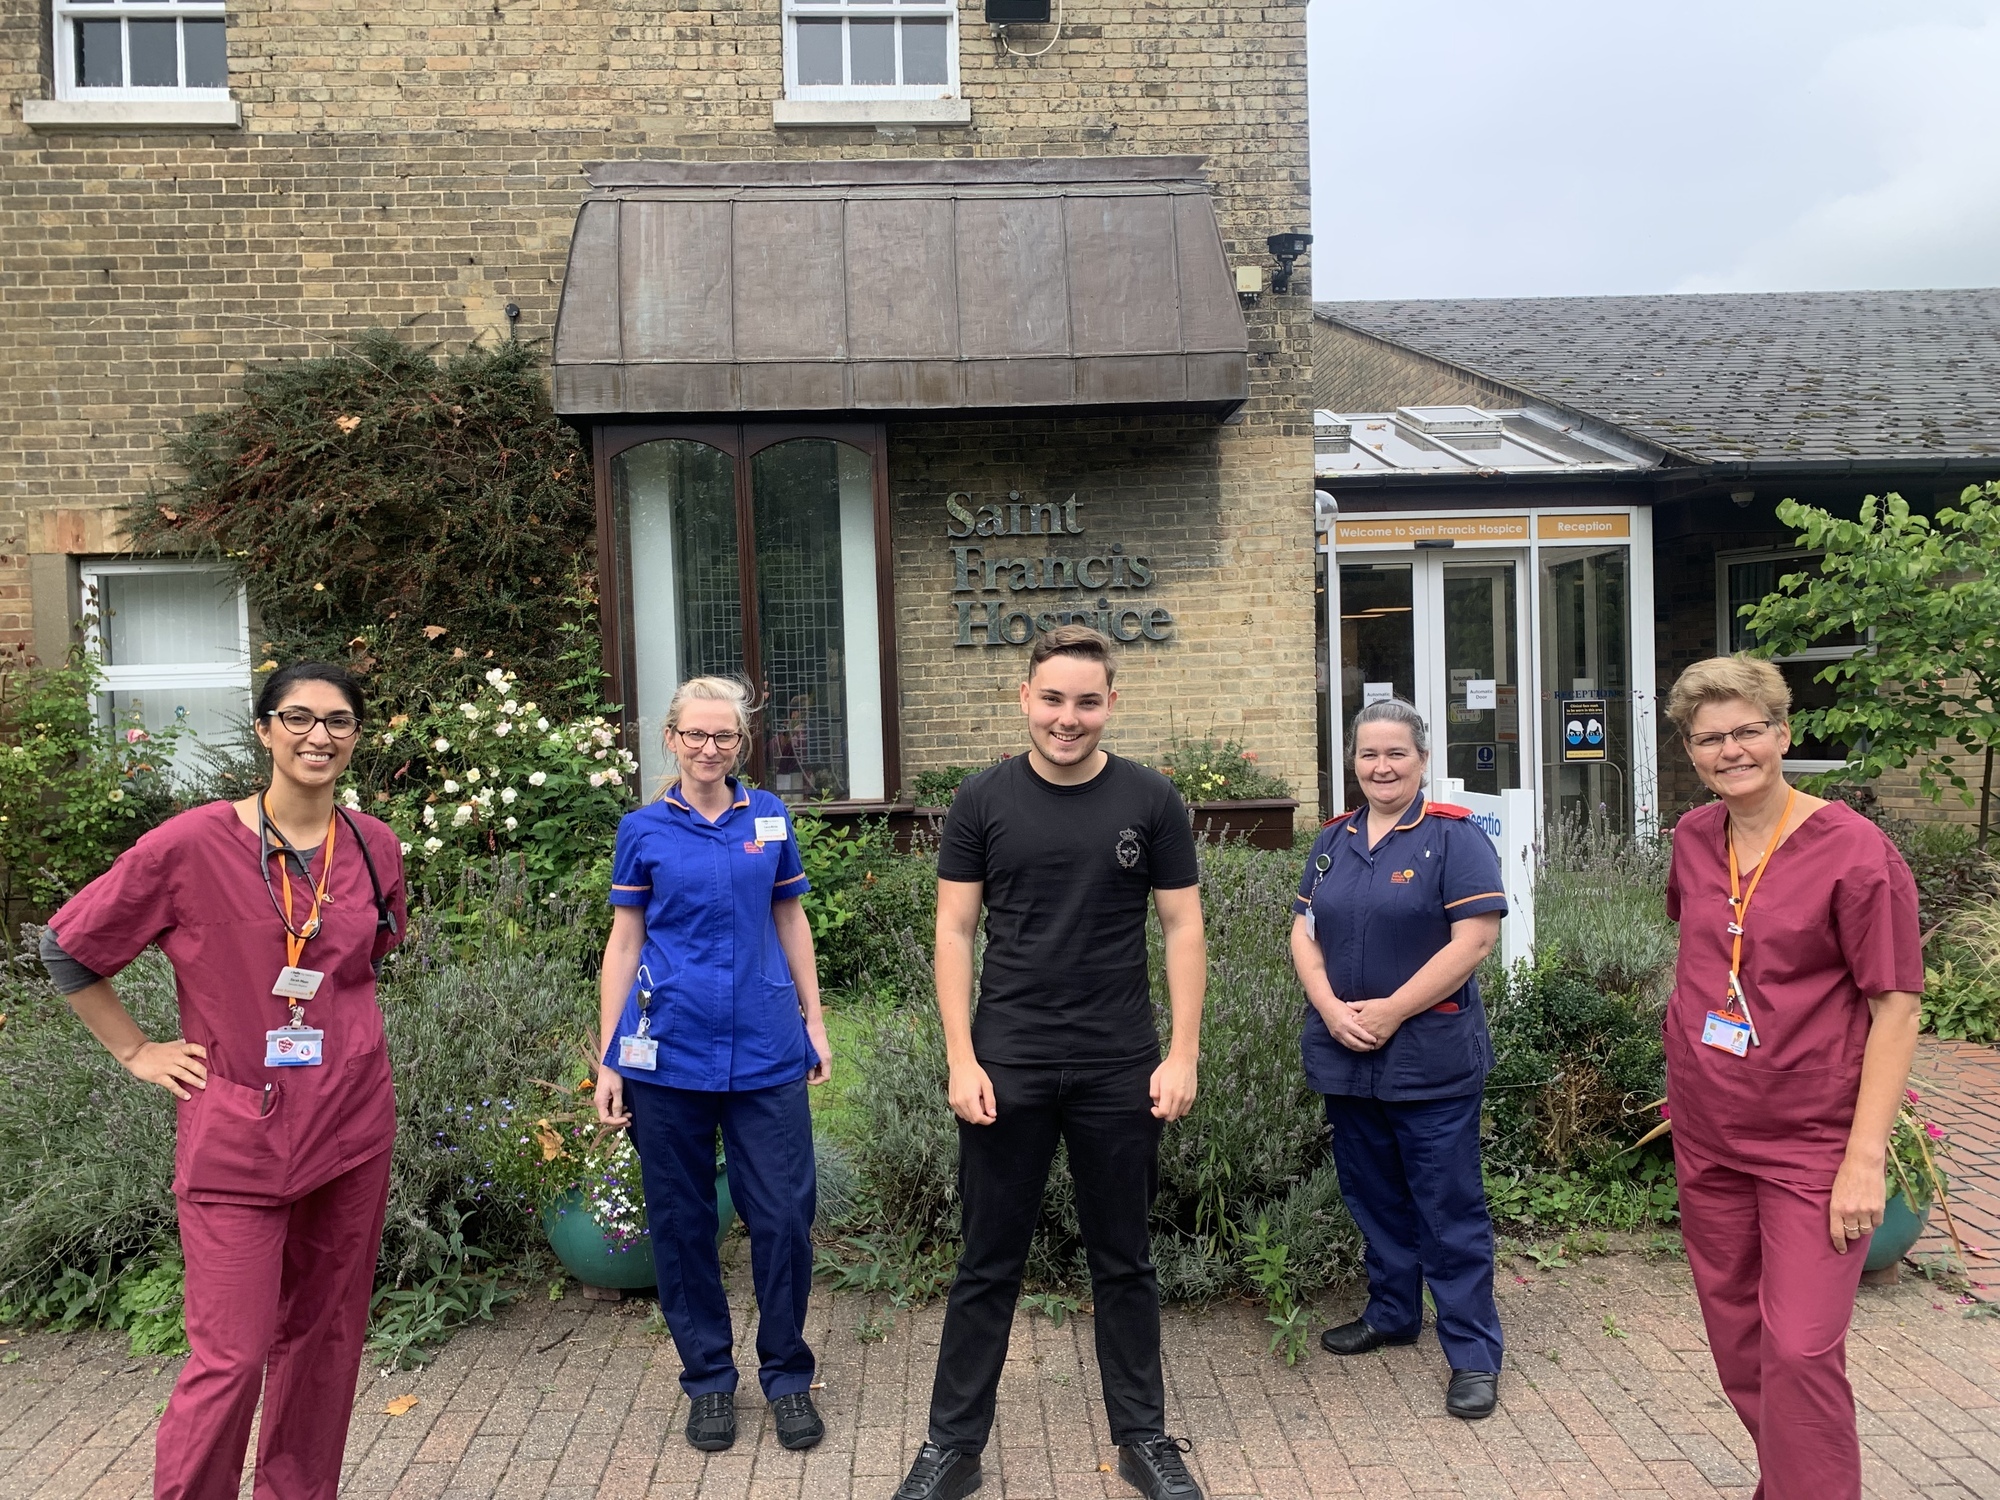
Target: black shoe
{"x":1358,"y":1337}
{"x":940,"y":1474}
{"x":1153,"y":1467}
{"x":711,"y":1424}
{"x":797,"y":1420}
{"x":1472,"y":1394}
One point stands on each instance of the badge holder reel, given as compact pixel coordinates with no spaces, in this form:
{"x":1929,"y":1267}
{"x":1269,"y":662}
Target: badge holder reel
{"x":1730,"y":1028}
{"x":1320,"y":866}
{"x":641,"y":1049}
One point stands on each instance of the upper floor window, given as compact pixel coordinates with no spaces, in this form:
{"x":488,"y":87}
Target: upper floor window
{"x":140,"y":50}
{"x":871,"y":49}
{"x":1745,"y":580}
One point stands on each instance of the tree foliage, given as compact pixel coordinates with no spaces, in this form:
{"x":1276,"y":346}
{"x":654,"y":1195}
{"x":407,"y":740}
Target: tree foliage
{"x":1924,"y":594}
{"x":418,"y":519}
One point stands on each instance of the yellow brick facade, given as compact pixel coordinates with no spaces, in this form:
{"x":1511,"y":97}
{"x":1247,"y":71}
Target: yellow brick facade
{"x":420,"y":169}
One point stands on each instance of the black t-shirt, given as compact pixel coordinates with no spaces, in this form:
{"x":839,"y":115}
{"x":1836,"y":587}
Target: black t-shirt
{"x":1067,"y":872}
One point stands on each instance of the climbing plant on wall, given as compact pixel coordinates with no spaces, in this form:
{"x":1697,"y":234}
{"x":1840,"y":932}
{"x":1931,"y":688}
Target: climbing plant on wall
{"x":417,"y":517}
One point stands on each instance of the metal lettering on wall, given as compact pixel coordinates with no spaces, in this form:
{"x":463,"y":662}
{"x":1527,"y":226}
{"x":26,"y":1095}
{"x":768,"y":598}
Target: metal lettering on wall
{"x":983,"y":563}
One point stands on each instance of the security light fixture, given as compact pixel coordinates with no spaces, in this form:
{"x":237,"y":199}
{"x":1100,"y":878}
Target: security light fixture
{"x":1742,"y":498}
{"x":1017,"y":12}
{"x":1286,"y":248}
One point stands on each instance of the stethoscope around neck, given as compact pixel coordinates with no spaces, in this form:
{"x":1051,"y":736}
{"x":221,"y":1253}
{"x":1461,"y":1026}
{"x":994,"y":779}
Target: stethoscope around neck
{"x":270,"y":840}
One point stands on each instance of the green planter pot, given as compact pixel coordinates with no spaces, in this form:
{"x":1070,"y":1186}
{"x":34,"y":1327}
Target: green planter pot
{"x":1899,"y":1232}
{"x":588,"y":1254}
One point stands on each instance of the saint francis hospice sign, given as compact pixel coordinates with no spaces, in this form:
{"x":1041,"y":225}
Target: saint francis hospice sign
{"x":1017,"y":571}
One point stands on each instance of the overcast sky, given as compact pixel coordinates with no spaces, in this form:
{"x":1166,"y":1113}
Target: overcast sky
{"x":1463,"y":148}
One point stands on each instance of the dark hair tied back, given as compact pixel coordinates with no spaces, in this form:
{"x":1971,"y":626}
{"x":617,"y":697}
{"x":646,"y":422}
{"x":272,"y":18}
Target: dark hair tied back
{"x":271,"y":697}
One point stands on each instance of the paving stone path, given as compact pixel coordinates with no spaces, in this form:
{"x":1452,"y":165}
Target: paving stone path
{"x":1608,"y":1391}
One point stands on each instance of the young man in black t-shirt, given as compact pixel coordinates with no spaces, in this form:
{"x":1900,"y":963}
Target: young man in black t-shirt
{"x":1063,"y":846}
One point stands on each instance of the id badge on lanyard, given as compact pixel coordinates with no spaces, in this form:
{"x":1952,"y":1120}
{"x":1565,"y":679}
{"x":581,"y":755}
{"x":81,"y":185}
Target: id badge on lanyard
{"x":295,"y":1044}
{"x":1730,"y":1028}
{"x":641,"y":1049}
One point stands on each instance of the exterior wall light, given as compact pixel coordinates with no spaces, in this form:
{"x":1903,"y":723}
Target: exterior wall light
{"x":1742,"y":498}
{"x":1286,"y":248}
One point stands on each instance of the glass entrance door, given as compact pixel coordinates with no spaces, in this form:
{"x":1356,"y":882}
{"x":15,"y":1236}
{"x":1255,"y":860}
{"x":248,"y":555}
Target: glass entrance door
{"x":1443,"y":633}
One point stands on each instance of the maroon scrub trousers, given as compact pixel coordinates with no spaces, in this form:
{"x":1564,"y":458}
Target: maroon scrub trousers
{"x":281,"y":1174}
{"x":1758,"y":1139}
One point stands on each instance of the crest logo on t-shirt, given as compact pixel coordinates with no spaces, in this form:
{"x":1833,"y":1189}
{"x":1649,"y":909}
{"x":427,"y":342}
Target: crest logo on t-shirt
{"x":1127,"y":849}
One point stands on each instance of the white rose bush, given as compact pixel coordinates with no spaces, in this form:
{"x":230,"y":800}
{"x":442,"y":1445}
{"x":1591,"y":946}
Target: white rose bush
{"x":493,"y":777}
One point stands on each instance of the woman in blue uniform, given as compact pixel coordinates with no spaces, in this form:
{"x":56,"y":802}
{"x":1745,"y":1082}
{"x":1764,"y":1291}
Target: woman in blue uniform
{"x":1399,"y":903}
{"x":711,"y":1020}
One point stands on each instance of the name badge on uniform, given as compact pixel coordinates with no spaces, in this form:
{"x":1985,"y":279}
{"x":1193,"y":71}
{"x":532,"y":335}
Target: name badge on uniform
{"x":1727,"y":1033}
{"x":771,"y":830}
{"x":295,"y":983}
{"x":294,"y":1047}
{"x":640,"y":1050}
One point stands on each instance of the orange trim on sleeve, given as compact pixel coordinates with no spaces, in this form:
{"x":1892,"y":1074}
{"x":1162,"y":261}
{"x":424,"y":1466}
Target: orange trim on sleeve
{"x":1482,"y":896}
{"x":792,"y":881}
{"x":616,"y":887}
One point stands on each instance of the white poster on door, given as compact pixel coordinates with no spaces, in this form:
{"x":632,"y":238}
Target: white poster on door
{"x":1377,"y":692}
{"x":1482,"y":692}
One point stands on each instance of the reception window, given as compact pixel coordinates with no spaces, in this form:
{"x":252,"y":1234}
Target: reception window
{"x":759,"y":553}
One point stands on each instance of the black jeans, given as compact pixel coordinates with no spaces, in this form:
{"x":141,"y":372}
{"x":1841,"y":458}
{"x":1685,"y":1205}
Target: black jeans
{"x":1105,"y":1116}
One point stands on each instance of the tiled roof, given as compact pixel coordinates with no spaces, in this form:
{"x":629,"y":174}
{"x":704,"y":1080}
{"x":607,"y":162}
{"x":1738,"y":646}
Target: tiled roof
{"x":1770,"y":376}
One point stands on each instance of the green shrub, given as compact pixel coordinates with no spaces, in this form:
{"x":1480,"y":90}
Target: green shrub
{"x":492,"y":775}
{"x":1573,"y":1067}
{"x":937,"y":788}
{"x":74,"y":792}
{"x":407,"y":515}
{"x":1952,"y":872}
{"x":1600,"y":900}
{"x":1212,"y":770}
{"x":1962,"y":989}
{"x":843,"y":864}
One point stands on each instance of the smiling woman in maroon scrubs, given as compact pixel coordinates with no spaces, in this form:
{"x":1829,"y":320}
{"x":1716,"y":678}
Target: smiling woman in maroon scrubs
{"x":1789,"y":1036}
{"x":274,"y":912}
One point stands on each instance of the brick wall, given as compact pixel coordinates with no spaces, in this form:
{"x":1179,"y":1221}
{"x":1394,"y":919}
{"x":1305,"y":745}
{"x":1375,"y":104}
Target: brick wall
{"x":1355,"y":371}
{"x":419,"y":169}
{"x":1234,"y":571}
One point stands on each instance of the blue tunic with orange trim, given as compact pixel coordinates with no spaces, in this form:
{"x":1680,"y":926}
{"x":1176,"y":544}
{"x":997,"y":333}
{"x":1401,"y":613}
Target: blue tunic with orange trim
{"x":1379,"y":916}
{"x":724,"y":1008}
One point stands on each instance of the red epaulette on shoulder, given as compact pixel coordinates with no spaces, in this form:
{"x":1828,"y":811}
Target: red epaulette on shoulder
{"x":1447,"y":810}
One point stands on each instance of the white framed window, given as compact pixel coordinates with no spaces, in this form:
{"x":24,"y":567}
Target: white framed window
{"x":137,"y":51}
{"x":878,"y":50}
{"x":1747,"y":577}
{"x":173,"y":641}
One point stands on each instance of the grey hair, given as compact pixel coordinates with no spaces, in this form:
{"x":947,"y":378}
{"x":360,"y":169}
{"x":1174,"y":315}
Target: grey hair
{"x":1392,"y":711}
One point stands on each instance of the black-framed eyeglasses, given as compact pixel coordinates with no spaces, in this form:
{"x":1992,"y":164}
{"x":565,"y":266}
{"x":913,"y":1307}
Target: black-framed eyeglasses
{"x":1744,"y":734}
{"x":724,"y":740}
{"x":300,"y":721}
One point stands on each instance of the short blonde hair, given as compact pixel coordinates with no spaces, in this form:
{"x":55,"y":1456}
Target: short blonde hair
{"x":730,"y":690}
{"x":1722,"y":678}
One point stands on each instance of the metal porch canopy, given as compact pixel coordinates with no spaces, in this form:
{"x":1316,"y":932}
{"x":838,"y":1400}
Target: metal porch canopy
{"x":899,"y":286}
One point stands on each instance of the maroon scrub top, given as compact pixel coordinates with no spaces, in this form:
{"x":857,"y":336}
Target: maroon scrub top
{"x":192,"y":886}
{"x":1834,"y":922}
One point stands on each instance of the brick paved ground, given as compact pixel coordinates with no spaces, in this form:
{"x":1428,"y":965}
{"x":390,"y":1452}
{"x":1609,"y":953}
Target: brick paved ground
{"x":1960,"y":1085}
{"x":1609,"y":1392}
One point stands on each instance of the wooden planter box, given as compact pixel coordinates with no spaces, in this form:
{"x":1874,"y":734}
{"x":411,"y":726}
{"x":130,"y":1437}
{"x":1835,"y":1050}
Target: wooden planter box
{"x":1264,"y":824}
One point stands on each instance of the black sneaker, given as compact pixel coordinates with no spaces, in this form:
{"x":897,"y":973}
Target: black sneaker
{"x":940,"y":1474}
{"x":797,"y":1420}
{"x":711,"y":1423}
{"x":1154,"y":1467}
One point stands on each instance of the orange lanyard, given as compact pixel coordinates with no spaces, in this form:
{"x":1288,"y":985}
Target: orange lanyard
{"x":1739,"y":900}
{"x":296,"y":937}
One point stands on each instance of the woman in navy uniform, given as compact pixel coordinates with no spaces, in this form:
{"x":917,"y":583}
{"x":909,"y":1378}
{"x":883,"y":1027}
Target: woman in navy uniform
{"x":711,"y":1020}
{"x":1399,"y":903}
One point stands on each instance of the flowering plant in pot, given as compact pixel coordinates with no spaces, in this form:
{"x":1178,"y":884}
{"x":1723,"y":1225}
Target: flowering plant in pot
{"x":1916,"y":1181}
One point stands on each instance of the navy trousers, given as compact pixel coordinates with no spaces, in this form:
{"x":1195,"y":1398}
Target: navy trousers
{"x":767,"y":1140}
{"x":1410,"y":1175}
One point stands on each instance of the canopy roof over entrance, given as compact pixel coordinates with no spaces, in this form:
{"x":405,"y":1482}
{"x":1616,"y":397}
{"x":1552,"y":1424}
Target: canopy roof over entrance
{"x":898,"y":286}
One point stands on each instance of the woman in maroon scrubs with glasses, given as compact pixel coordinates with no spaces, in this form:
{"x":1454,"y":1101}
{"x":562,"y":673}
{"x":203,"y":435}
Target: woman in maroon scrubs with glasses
{"x":1789,"y":1037}
{"x":274,"y":912}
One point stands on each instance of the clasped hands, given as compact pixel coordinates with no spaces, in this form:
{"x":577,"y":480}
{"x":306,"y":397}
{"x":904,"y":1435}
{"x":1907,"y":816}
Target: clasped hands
{"x":1362,"y":1025}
